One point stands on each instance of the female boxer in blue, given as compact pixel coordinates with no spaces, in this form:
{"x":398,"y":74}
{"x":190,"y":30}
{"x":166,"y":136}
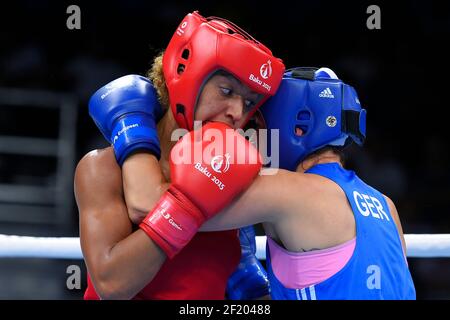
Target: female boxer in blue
{"x":330,"y":235}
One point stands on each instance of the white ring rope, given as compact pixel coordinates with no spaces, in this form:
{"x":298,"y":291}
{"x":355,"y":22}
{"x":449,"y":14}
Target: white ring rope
{"x":39,"y":247}
{"x":418,"y":246}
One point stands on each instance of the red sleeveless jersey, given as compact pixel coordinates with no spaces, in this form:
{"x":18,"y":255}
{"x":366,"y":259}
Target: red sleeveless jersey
{"x":199,"y":272}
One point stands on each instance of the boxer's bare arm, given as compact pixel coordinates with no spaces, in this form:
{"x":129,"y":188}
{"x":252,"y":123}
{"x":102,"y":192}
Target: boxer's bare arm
{"x":120,"y":262}
{"x":263,"y":201}
{"x":266,"y":200}
{"x":395,"y":216}
{"x":143,"y":184}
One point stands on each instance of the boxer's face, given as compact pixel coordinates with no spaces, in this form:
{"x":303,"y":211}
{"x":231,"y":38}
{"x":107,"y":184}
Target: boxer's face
{"x":225,"y":99}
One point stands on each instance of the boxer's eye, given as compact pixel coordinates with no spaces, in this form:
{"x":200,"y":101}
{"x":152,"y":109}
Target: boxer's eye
{"x":249,"y":104}
{"x":226,"y":91}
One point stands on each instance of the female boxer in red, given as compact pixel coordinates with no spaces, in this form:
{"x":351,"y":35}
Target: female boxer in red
{"x":214,"y":72}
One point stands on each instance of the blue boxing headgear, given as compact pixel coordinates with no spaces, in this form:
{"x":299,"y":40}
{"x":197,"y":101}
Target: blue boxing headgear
{"x":327,"y":111}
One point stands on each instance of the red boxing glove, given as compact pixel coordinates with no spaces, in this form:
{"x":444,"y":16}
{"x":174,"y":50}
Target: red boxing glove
{"x":208,"y":168}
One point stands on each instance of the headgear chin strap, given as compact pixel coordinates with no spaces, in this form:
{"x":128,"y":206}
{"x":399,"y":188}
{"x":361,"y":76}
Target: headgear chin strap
{"x":199,"y":47}
{"x":315,"y":102}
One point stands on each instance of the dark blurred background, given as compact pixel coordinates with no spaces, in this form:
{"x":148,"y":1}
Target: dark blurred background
{"x":48,"y":72}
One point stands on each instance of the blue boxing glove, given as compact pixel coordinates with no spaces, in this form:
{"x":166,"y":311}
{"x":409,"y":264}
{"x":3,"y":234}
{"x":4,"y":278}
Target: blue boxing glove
{"x":126,"y":111}
{"x":249,"y":281}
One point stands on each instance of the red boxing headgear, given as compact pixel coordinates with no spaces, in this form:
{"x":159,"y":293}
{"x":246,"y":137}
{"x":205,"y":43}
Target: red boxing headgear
{"x":201,"y":46}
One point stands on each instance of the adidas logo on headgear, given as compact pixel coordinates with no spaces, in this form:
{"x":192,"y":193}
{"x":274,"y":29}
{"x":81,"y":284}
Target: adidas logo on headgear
{"x":326,"y":94}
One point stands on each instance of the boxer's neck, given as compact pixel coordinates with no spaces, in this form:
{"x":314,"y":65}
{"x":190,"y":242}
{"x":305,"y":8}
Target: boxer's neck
{"x":324,"y":157}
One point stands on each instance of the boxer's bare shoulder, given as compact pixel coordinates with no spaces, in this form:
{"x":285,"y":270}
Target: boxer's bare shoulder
{"x":98,"y":168}
{"x":98,"y":162}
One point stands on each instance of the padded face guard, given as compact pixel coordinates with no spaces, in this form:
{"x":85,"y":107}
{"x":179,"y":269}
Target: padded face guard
{"x":323,"y":109}
{"x":199,"y":47}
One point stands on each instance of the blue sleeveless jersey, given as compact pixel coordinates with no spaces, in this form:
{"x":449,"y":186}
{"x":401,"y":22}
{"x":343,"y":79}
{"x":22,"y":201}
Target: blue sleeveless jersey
{"x":377,"y":268}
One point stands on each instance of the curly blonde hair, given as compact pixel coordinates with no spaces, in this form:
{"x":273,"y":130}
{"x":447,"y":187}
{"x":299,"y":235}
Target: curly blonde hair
{"x":156,"y":75}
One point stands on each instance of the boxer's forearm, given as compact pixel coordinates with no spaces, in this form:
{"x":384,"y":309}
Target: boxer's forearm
{"x":259,"y":203}
{"x":143,"y":184}
{"x":127,"y":267}
{"x":255,"y":205}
